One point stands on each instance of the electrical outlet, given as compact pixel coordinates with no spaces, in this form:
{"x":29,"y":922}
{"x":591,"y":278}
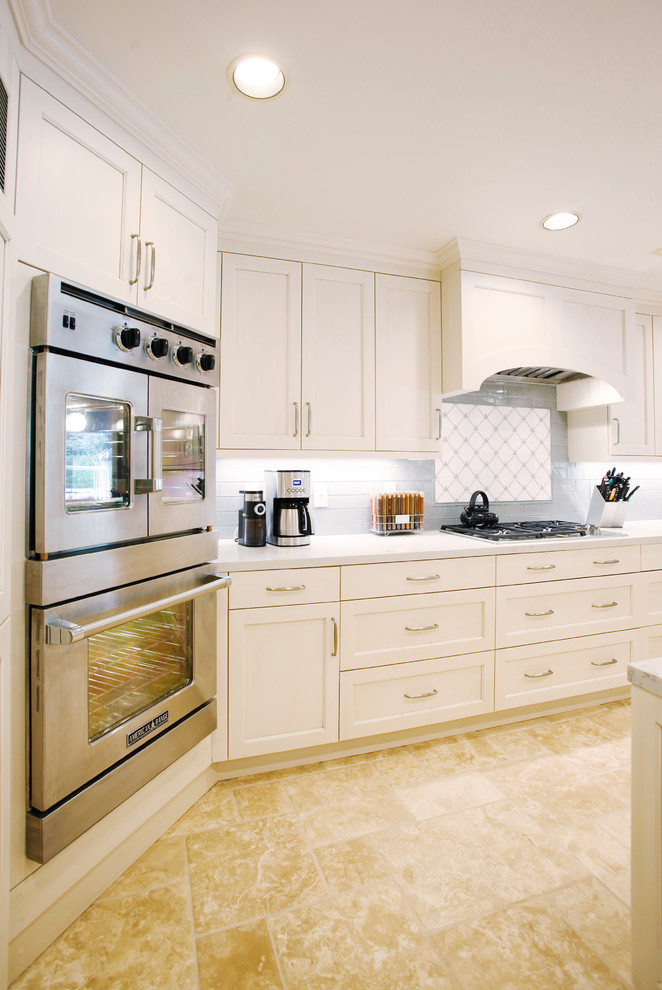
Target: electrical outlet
{"x":320,"y":495}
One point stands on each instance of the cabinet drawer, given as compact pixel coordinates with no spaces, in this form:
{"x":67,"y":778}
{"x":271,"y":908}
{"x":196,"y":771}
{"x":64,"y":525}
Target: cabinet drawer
{"x":651,"y":557}
{"x":376,"y":632}
{"x":555,"y":565}
{"x":295,"y":586}
{"x":412,"y":694}
{"x":559,"y":610}
{"x":416,"y":577}
{"x":526,"y":675}
{"x":652,"y":644}
{"x":651,"y":591}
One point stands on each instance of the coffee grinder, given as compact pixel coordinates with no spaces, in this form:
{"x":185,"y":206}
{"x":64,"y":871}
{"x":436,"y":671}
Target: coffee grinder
{"x":252,"y":520}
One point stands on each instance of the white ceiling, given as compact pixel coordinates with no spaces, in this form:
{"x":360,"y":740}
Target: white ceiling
{"x":410,"y":123}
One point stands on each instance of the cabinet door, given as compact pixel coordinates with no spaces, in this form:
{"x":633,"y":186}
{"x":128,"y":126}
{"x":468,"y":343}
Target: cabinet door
{"x":408,"y":363}
{"x":338,"y":369}
{"x":260,"y":391}
{"x":631,"y":422}
{"x":77,"y":197}
{"x":178,"y":277}
{"x":283,"y":679}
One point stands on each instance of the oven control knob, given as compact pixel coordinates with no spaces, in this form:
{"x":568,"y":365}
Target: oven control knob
{"x":127,"y":338}
{"x":182,"y":355}
{"x":205,"y":362}
{"x":156,"y":347}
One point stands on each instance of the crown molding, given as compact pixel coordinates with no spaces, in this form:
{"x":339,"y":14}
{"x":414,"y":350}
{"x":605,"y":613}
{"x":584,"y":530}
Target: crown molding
{"x":50,"y":44}
{"x":291,"y":243}
{"x":473,"y":255}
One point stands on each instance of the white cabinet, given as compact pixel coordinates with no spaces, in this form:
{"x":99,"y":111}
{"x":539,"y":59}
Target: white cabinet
{"x":91,"y":212}
{"x":492,"y":323}
{"x":408,"y":363}
{"x":5,"y":777}
{"x":297,"y":369}
{"x":623,"y":428}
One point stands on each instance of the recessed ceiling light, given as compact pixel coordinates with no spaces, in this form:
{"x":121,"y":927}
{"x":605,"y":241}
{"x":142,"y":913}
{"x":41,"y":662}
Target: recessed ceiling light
{"x":559,"y":221}
{"x":257,"y":77}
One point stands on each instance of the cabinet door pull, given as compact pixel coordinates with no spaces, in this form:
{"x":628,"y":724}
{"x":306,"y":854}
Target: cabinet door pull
{"x":545,"y":673}
{"x":542,"y":567}
{"x":606,"y":605}
{"x":603,"y":663}
{"x":334,"y":651}
{"x":618,"y":430}
{"x":426,"y":694}
{"x":136,"y":238}
{"x":538,"y":615}
{"x":152,"y":265}
{"x":438,"y":412}
{"x":292,"y":587}
{"x":425,"y":577}
{"x":296,"y":419}
{"x":435,"y":625}
{"x":309,"y":409}
{"x":614,"y":561}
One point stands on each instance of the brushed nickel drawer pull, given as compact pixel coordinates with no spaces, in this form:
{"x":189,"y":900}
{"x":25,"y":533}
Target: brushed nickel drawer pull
{"x":538,"y":615}
{"x":334,"y":652}
{"x":435,"y":625}
{"x":614,"y":561}
{"x":294,"y":587}
{"x":603,"y":663}
{"x":606,"y":605}
{"x":543,"y":567}
{"x":546,"y":673}
{"x":417,"y":697}
{"x":425,"y":577}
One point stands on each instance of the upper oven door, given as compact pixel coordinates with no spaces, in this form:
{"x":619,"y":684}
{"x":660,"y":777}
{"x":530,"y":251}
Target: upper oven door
{"x":186,"y":497}
{"x":87,"y":454}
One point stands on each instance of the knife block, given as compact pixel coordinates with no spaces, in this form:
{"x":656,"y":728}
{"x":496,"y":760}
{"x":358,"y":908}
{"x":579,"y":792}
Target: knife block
{"x":608,"y":514}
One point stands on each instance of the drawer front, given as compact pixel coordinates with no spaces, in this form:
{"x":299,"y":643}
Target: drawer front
{"x":376,"y":632}
{"x":652,"y":646}
{"x":526,"y":676}
{"x":416,"y":577}
{"x":651,"y":557}
{"x":294,"y":586}
{"x":652,"y":597}
{"x":555,"y":565}
{"x":407,"y":695}
{"x":570,"y":608}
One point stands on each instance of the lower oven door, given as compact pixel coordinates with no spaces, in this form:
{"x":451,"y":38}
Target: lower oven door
{"x":111,"y":672}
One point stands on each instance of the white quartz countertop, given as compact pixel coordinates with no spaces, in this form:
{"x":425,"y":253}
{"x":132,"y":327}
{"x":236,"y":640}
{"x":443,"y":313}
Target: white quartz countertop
{"x":647,"y":674}
{"x":327,"y":551}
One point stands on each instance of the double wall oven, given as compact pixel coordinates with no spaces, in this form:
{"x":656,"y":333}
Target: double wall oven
{"x":122,"y":593}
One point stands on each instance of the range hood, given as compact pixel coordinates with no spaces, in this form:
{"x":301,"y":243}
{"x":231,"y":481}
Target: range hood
{"x":500,"y":326}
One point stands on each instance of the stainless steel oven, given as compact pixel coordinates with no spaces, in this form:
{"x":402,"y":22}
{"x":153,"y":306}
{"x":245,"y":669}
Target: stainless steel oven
{"x":122,"y":590}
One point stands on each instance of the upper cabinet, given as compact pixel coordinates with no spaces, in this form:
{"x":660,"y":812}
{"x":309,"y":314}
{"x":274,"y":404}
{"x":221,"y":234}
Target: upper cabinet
{"x":408,"y":363}
{"x":493,"y":323}
{"x":633,"y":427}
{"x":297,"y":367}
{"x":91,"y":212}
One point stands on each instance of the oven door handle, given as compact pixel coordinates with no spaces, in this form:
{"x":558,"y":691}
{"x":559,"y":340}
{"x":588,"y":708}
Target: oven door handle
{"x":60,"y":632}
{"x":152,"y":425}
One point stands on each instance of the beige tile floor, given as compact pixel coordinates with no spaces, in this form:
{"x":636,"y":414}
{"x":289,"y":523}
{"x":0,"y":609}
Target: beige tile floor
{"x":495,"y":859}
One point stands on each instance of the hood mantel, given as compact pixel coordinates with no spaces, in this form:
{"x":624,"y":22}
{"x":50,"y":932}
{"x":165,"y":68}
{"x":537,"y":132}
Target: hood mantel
{"x":496,"y":322}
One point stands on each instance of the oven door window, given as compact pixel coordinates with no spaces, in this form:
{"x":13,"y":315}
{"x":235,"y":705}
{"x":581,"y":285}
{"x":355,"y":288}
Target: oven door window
{"x":134,"y":666}
{"x":183,"y":456}
{"x":97,"y":453}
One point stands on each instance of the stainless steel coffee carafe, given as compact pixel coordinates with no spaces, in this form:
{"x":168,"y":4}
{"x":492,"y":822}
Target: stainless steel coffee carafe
{"x":288,"y":516}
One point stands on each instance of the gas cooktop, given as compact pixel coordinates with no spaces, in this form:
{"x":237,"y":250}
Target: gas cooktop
{"x":529,"y":529}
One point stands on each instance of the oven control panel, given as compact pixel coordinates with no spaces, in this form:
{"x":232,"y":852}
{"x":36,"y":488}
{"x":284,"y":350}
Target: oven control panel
{"x":74,"y":320}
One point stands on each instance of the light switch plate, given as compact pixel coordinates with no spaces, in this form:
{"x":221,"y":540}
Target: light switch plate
{"x":320,"y":495}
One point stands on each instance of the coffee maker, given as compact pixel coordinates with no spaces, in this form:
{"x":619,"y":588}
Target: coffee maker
{"x":288,"y":517}
{"x":251,"y":520}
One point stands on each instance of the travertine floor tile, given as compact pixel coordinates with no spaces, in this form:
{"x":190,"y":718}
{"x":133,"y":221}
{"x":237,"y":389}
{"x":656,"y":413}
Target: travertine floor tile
{"x":444,"y":794}
{"x":568,"y":735}
{"x":241,"y":872}
{"x":617,"y":782}
{"x":400,"y":767}
{"x":518,"y":745}
{"x":469,"y":862}
{"x":121,"y":944}
{"x":523,"y":948}
{"x":618,"y":826}
{"x":239,"y":958}
{"x":345,"y":803}
{"x":361,"y":940}
{"x":604,"y":856}
{"x":164,"y":863}
{"x":596,"y":914}
{"x":262,"y":800}
{"x":621,"y":963}
{"x":455,"y":753}
{"x":216,"y":807}
{"x":350,"y":864}
{"x":554,"y":790}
